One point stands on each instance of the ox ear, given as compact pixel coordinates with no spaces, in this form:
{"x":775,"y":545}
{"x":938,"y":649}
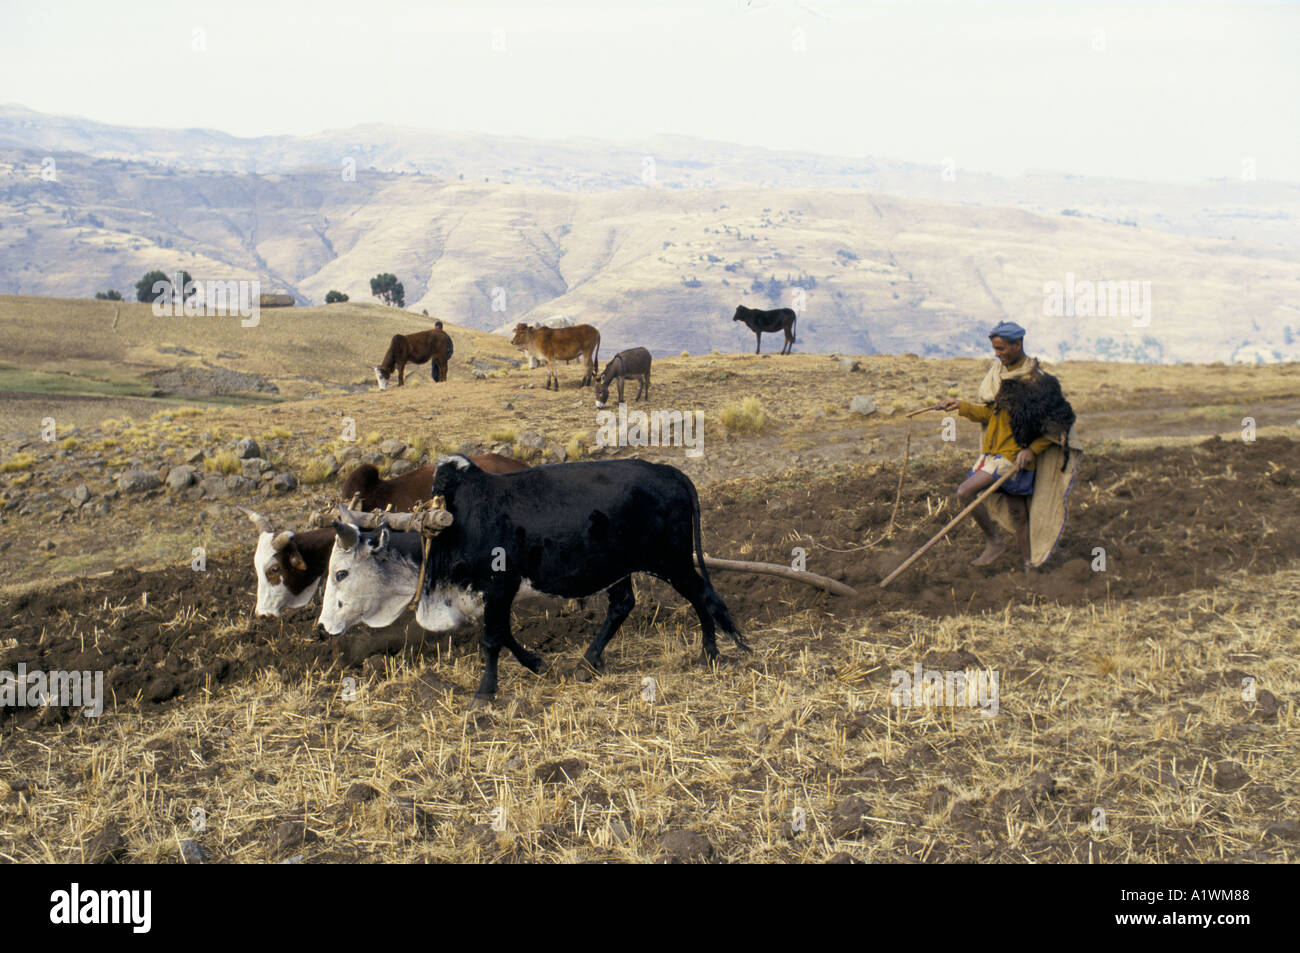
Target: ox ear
{"x":295,"y":558}
{"x":380,"y":541}
{"x":346,"y":534}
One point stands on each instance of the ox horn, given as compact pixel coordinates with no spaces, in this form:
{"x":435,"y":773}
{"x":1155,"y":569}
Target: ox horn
{"x":281,"y":540}
{"x":261,"y":522}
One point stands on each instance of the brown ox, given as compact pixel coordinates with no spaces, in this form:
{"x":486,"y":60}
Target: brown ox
{"x":404,"y":491}
{"x":433,"y":345}
{"x":561,"y":344}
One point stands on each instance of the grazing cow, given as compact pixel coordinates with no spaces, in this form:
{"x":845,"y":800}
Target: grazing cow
{"x":289,"y":565}
{"x":760,"y":322}
{"x":403,"y":492}
{"x":433,"y":345}
{"x":634,"y":363}
{"x":561,"y":344}
{"x":569,"y":529}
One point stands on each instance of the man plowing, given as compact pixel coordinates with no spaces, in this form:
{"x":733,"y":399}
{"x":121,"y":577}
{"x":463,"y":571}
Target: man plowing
{"x":1027,"y":423}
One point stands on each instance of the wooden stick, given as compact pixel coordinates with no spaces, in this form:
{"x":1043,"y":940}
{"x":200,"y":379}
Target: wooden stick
{"x":785,"y":572}
{"x":925,"y":410}
{"x":951,"y":523}
{"x":898,"y":494}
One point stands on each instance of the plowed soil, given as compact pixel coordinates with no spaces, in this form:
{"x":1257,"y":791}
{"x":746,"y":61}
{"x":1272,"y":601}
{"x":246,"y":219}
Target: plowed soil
{"x":1168,"y":521}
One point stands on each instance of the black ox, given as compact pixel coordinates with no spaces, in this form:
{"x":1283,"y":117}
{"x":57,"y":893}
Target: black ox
{"x":571,"y":530}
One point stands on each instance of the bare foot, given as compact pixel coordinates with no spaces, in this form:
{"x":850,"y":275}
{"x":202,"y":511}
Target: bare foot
{"x":995,"y":548}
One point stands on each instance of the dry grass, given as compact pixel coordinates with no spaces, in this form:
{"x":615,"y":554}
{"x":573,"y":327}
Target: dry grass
{"x":747,"y":417}
{"x":222,"y":461}
{"x":17,"y":463}
{"x":601,"y":771}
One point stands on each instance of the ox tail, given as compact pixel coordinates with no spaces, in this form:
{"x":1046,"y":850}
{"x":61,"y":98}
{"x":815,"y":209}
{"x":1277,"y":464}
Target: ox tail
{"x":595,"y":358}
{"x":718,"y":610}
{"x":793,"y":322}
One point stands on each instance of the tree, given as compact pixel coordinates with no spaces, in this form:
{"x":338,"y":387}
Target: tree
{"x":109,"y":295}
{"x":144,"y":287}
{"x":335,"y":297}
{"x":388,"y":289}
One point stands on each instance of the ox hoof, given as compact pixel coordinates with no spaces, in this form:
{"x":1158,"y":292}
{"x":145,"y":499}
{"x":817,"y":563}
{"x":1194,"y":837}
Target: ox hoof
{"x":585,"y":671}
{"x":535,"y":664}
{"x":481,"y":700}
{"x":711,"y":661}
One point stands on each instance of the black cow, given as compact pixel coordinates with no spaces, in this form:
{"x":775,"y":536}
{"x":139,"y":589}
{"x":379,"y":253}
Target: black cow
{"x":569,"y":529}
{"x":760,"y":322}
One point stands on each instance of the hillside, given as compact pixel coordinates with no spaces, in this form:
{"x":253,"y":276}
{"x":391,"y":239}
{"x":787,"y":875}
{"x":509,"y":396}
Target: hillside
{"x":654,"y":267}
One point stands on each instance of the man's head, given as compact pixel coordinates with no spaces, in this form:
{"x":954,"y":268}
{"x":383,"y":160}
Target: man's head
{"x":1008,"y":340}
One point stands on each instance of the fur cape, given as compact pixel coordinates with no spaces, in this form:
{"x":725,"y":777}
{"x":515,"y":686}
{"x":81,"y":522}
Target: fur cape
{"x":1037,"y":408}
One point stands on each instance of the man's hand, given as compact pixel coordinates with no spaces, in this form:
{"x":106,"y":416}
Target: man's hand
{"x":1025,"y":458}
{"x":950,"y":403}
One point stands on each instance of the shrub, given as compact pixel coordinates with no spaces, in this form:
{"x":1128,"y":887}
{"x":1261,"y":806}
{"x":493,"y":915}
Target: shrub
{"x":316,"y":471}
{"x":745,"y":417}
{"x":502,"y":436}
{"x":18,"y":462}
{"x":578,"y":446}
{"x":223,"y":461}
{"x":335,"y":297}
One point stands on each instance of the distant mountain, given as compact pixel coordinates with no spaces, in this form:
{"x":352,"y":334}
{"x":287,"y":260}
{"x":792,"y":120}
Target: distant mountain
{"x":1255,"y":211}
{"x":661,"y":265}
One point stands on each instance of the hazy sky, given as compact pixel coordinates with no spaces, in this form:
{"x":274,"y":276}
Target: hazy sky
{"x":1167,"y":92}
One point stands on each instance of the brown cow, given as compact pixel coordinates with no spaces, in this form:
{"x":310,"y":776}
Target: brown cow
{"x":404,"y":491}
{"x":433,"y":345}
{"x":561,"y":344}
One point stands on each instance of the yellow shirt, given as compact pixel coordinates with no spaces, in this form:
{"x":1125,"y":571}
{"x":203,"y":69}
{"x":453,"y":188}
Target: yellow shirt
{"x":998,"y":438}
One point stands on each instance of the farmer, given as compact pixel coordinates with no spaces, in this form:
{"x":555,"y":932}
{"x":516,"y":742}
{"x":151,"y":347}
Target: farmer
{"x":1023,"y":413}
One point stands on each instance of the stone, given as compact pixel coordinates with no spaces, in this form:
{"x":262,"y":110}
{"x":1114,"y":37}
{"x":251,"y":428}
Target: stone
{"x":181,"y":477}
{"x":401,"y":466}
{"x":247,"y":449}
{"x":138,"y":481}
{"x":81,"y":494}
{"x":254,"y":467}
{"x":284,"y":483}
{"x":848,"y":364}
{"x":392,"y":448}
{"x":862,"y":405}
